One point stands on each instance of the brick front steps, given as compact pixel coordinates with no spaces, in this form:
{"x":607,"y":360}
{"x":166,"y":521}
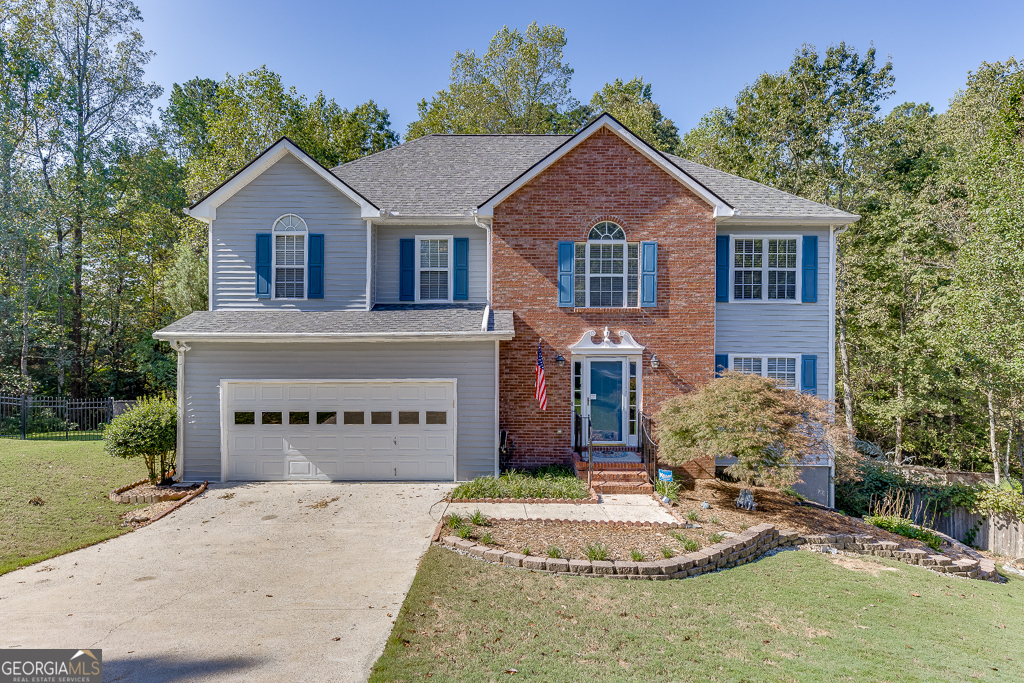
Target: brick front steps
{"x":732,"y":552}
{"x":614,"y":477}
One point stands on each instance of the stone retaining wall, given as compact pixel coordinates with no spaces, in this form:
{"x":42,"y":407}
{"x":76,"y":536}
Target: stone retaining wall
{"x":740,"y":549}
{"x":117,"y":494}
{"x":732,"y":552}
{"x":975,"y":567}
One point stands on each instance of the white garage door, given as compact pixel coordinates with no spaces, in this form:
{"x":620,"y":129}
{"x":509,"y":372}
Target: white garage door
{"x":340,"y":430}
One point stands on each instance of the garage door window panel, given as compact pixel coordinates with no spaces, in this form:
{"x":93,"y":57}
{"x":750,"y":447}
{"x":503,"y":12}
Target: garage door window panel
{"x":271,"y":418}
{"x":354,"y":417}
{"x":327,"y":418}
{"x":408,"y":417}
{"x":437,"y":417}
{"x":380,"y":417}
{"x":245,"y":418}
{"x":298,"y":418}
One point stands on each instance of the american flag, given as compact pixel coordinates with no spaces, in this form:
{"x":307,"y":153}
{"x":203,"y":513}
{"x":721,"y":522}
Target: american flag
{"x":540,"y":391}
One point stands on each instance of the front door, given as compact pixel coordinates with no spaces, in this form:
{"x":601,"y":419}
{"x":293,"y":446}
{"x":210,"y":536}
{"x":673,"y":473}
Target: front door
{"x":607,"y":405}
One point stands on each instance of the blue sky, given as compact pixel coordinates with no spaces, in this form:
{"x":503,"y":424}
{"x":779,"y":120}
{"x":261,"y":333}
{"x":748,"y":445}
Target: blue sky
{"x":696,"y":55}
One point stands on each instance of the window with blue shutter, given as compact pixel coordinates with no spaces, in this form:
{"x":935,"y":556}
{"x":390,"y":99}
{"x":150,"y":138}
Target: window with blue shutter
{"x":407,"y":270}
{"x":648,"y":274}
{"x":315,"y":264}
{"x":721,"y":363}
{"x":809,"y":374}
{"x":461,"y":260}
{"x":263,"y":266}
{"x":722,"y":268}
{"x":809,"y":289}
{"x":566,"y":254}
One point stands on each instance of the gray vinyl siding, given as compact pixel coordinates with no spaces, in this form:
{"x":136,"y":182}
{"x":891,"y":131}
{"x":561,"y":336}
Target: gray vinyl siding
{"x":792,"y":328}
{"x":471,"y":363}
{"x":386,"y":258}
{"x":289,"y":186}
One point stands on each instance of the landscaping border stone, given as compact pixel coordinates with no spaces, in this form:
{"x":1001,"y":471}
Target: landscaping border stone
{"x":592,"y":500}
{"x":745,"y":547}
{"x":595,"y":522}
{"x":190,"y":496}
{"x":117,"y":497}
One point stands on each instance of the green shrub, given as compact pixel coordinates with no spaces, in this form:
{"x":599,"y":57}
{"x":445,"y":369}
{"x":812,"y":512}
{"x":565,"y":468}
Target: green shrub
{"x":465,"y":531}
{"x":716,"y":538}
{"x":667,"y":552}
{"x":147,"y":430}
{"x":479,"y":518}
{"x":905,"y":528}
{"x":596,"y":552}
{"x":555,"y":552}
{"x":454,"y":521}
{"x":487,"y":539}
{"x":544,"y":482}
{"x":667,"y":489}
{"x":636,"y":555}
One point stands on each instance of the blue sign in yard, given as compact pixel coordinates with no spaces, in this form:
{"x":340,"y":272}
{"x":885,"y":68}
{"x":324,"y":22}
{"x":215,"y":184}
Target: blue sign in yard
{"x":665,"y":475}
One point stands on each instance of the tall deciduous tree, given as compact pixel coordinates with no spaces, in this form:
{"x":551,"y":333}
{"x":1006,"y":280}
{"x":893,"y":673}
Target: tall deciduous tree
{"x":96,"y":60}
{"x":520,"y":85}
{"x":633,"y":103}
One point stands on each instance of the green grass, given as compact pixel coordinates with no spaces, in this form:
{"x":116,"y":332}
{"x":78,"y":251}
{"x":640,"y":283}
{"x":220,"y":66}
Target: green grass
{"x":796,"y":616}
{"x":73,"y":479}
{"x":545,"y":482}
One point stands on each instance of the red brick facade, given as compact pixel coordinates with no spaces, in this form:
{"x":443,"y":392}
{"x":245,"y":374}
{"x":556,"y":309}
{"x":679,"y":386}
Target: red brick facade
{"x":604,"y":178}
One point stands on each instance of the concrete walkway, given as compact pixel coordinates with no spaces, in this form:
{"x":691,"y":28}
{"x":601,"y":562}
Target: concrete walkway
{"x":254,"y":586}
{"x":612,"y":508}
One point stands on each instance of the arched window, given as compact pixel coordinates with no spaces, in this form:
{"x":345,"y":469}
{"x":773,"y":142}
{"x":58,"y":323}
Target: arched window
{"x":606,"y":230}
{"x":607,"y":269}
{"x":290,"y":257}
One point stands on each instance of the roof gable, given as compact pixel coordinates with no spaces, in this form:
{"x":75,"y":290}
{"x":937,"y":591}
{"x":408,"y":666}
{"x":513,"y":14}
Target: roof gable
{"x":607,"y":122}
{"x":206,"y":208}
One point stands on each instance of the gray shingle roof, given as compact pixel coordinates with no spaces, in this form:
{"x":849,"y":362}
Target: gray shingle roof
{"x":449,"y":175}
{"x":445,"y":175}
{"x":385,"y":319}
{"x":750,"y":198}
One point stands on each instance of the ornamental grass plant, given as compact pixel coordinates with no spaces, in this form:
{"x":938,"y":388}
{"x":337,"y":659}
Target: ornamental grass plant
{"x":545,"y":482}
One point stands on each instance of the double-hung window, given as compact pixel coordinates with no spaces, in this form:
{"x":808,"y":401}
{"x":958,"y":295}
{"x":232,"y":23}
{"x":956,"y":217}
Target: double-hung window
{"x":433,"y":268}
{"x":765,"y":268}
{"x":290,"y":235}
{"x":607,"y":269}
{"x":782,"y":368}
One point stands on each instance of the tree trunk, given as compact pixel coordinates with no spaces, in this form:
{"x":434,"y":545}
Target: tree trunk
{"x":898,"y":456}
{"x":992,"y":435}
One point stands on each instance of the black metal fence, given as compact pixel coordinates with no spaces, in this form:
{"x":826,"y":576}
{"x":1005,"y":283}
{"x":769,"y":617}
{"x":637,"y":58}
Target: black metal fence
{"x":46,"y":417}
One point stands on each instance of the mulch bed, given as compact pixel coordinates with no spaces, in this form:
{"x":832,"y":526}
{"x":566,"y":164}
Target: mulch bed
{"x":571,"y":538}
{"x":778,"y":509}
{"x":145,"y":492}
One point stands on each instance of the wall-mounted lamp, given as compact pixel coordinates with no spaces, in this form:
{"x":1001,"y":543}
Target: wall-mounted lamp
{"x":559,"y":360}
{"x":655,"y":362}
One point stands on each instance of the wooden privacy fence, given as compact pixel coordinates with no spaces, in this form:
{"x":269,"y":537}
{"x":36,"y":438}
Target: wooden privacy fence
{"x":1002,"y":534}
{"x":54,"y":417}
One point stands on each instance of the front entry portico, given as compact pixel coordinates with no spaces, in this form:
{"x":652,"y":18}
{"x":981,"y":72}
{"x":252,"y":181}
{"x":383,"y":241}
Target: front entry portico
{"x":607,"y":386}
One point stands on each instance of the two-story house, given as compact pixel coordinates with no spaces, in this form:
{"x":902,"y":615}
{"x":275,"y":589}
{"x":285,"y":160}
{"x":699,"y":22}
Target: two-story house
{"x":382,"y":320}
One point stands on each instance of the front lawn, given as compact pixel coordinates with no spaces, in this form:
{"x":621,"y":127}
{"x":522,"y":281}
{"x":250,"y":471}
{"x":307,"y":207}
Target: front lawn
{"x":553,"y":481}
{"x":797,"y":616}
{"x":71,"y":479}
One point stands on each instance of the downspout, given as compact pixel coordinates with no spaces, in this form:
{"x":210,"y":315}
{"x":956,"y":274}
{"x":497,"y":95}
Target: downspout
{"x":179,"y":457}
{"x":488,"y":228}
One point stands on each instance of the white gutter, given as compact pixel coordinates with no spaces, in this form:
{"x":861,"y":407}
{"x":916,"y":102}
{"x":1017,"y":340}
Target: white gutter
{"x":331,"y":337}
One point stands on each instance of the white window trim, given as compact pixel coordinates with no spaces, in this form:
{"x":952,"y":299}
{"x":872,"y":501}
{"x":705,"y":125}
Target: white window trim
{"x":764,"y":269}
{"x":625,"y":274}
{"x":305,"y":259}
{"x":451,"y":266}
{"x":764,"y":363}
{"x":625,"y":359}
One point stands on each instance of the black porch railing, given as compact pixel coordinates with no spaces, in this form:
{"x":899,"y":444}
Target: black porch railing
{"x":648,"y":447}
{"x":48,"y":417}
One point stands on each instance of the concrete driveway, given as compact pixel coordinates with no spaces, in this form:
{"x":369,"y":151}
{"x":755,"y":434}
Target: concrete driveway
{"x":249,"y":582}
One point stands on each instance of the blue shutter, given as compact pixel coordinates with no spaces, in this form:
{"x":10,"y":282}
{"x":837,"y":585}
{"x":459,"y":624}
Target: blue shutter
{"x":809,"y":374}
{"x":316,"y":267}
{"x":722,"y":268}
{"x":407,"y":270}
{"x":810,"y":281}
{"x":566,"y":256}
{"x":263,"y":266}
{"x":721,"y":363}
{"x":461,"y":292}
{"x":648,"y":274}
